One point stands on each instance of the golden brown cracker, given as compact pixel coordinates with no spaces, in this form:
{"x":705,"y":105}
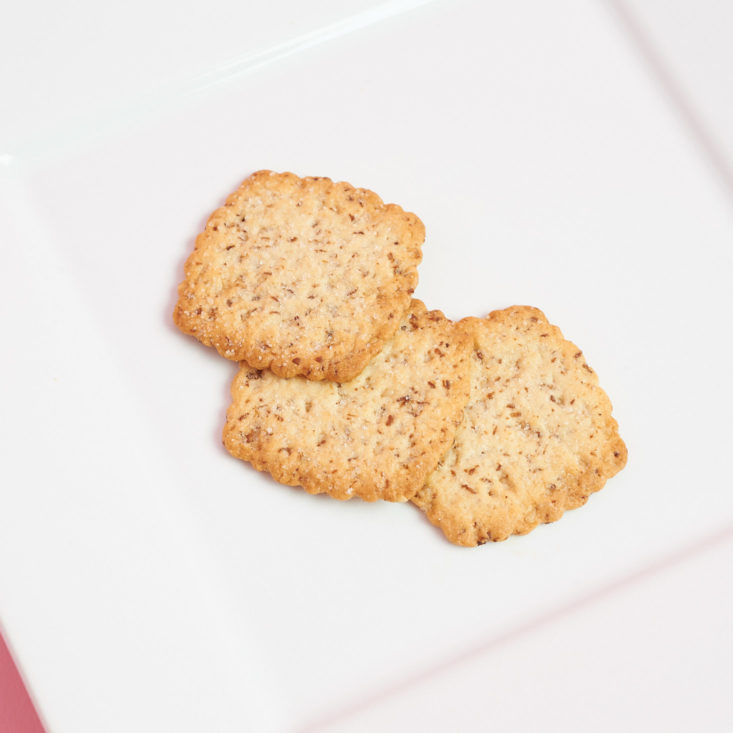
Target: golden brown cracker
{"x":375,"y":437}
{"x":303,"y":276}
{"x":537,"y":436}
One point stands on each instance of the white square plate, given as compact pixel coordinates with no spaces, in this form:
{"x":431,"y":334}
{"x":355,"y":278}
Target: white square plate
{"x":150,"y":577}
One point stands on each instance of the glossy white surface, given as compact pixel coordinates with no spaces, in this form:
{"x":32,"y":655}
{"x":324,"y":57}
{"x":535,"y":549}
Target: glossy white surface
{"x":73,"y":71}
{"x":145,"y":572}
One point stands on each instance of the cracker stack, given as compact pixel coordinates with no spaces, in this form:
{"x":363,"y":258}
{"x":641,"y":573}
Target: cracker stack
{"x":350,"y":387}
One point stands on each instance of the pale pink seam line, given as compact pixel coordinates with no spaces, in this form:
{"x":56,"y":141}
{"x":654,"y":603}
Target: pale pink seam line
{"x":488,"y":645}
{"x":676,"y":94}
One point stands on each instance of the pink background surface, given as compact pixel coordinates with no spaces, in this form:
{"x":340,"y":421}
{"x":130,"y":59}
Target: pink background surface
{"x":17,"y":714}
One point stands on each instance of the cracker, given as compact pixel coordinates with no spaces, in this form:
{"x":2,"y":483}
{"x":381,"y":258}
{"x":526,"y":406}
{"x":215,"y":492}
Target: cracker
{"x":537,"y":436}
{"x":301,"y":275}
{"x":375,"y":437}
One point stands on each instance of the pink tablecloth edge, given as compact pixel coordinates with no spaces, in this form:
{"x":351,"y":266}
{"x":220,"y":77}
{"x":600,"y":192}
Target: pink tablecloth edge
{"x":17,"y":712}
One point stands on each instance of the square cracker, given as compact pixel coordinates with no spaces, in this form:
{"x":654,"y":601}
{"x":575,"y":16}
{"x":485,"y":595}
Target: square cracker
{"x":303,"y":276}
{"x":375,"y":437}
{"x":537,"y":435}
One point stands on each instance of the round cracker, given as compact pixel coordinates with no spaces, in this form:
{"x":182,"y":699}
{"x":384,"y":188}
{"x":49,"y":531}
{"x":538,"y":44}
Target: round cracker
{"x":537,"y":436}
{"x":303,"y":276}
{"x":375,"y":437}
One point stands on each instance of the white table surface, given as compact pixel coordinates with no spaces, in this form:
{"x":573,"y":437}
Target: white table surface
{"x":150,"y":582}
